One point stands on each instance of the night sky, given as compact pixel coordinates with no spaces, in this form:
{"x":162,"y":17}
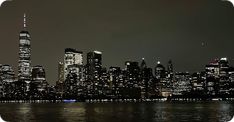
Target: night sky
{"x":189,"y":32}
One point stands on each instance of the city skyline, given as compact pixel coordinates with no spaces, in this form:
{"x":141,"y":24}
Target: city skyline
{"x":79,"y":81}
{"x":190,"y":34}
{"x":117,"y":60}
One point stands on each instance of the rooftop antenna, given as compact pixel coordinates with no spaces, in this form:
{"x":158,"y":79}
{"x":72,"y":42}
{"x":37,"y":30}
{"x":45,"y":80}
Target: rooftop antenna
{"x":25,"y":21}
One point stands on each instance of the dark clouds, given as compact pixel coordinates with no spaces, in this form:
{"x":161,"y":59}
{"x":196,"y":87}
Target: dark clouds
{"x":122,"y":29}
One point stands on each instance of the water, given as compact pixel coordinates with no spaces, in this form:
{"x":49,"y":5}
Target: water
{"x":118,"y":112}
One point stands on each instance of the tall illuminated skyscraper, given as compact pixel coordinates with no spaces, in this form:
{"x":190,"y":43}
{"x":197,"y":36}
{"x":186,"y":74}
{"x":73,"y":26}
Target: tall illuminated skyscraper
{"x":24,"y":63}
{"x":72,"y":59}
{"x":94,"y":65}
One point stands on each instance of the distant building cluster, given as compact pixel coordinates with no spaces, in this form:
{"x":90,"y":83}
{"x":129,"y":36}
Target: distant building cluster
{"x":137,"y":81}
{"x":80,"y":81}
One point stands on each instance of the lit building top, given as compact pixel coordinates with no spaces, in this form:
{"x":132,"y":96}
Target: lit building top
{"x":97,"y":52}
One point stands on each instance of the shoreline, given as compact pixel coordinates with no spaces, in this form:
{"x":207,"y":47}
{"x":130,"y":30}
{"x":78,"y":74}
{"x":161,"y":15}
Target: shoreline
{"x":118,"y":100}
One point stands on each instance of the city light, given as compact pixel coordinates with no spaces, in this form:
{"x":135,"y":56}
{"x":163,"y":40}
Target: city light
{"x":78,"y":81}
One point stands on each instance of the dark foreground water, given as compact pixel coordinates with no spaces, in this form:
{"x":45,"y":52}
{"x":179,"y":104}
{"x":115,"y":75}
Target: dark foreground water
{"x":118,"y":112}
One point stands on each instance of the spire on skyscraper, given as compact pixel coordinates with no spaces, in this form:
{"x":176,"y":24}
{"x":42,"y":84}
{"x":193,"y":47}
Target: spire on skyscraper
{"x":25,"y":21}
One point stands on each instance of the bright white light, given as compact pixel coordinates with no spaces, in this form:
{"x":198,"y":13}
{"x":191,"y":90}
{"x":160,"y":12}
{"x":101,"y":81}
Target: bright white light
{"x":158,"y":62}
{"x":98,"y":52}
{"x":225,"y":59}
{"x":24,"y":20}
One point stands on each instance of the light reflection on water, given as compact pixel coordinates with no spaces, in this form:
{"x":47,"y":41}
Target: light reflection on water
{"x":118,"y":112}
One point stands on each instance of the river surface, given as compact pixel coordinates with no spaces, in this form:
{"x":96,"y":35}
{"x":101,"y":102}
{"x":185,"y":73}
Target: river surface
{"x":118,"y":112}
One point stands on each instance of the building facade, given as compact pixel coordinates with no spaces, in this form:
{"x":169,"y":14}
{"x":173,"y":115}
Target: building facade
{"x":7,"y":79}
{"x":24,"y":63}
{"x":72,"y":57}
{"x":94,"y":65}
{"x":39,"y":77}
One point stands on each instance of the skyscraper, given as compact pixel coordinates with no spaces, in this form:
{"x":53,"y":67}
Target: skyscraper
{"x":39,"y":77}
{"x":132,"y":80}
{"x":94,"y":65}
{"x":170,"y":70}
{"x":24,"y":63}
{"x":73,"y":72}
{"x":224,"y":81}
{"x":94,"y":72}
{"x":114,"y":73}
{"x":132,"y":74}
{"x":198,"y":83}
{"x":182,"y":85}
{"x":146,"y":75}
{"x":163,"y":78}
{"x":7,"y":74}
{"x":72,"y":57}
{"x":60,"y":82}
{"x":159,"y":71}
{"x":60,"y":72}
{"x":7,"y":77}
{"x":212,"y":77}
{"x":143,"y":64}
